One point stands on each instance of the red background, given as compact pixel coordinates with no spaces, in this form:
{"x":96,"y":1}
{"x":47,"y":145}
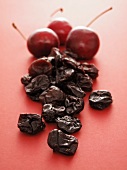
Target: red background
{"x":103,"y":137}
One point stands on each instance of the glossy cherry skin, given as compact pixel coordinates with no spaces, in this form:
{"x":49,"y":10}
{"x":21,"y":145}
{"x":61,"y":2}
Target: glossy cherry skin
{"x":83,"y":41}
{"x":41,"y":41}
{"x":61,"y":27}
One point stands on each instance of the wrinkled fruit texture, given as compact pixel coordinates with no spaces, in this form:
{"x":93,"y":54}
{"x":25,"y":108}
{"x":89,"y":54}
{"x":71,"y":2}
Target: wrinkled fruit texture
{"x":62,"y":143}
{"x":68,"y":124}
{"x":30,"y":123}
{"x":60,"y":83}
{"x":100,"y":99}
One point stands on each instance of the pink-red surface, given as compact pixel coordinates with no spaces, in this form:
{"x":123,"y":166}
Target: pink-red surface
{"x":103,"y":137}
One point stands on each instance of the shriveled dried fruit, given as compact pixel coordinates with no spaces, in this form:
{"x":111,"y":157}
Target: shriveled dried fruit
{"x":26,"y":79}
{"x":69,"y":61}
{"x":52,"y":95}
{"x":84,"y":81}
{"x":62,"y":143}
{"x":40,"y":66}
{"x":100,"y":99}
{"x":30,"y":123}
{"x":68,"y":124}
{"x":39,"y":83}
{"x":75,"y":90}
{"x":71,"y":54}
{"x":64,"y":74}
{"x":50,"y":112}
{"x":36,"y":86}
{"x":74,"y":105}
{"x":90,"y":69}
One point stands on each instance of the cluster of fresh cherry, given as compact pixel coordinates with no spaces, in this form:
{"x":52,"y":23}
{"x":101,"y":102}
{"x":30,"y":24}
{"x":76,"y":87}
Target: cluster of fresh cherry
{"x":81,"y":40}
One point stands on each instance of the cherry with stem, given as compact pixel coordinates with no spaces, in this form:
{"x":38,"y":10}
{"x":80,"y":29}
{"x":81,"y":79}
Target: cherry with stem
{"x":98,"y":16}
{"x":41,"y":41}
{"x":60,"y":26}
{"x":16,"y":28}
{"x":83,"y":41}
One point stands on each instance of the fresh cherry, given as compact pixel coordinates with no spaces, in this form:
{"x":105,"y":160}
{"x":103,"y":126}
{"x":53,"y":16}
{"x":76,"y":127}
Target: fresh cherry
{"x":41,"y":41}
{"x":83,"y":41}
{"x":60,"y":26}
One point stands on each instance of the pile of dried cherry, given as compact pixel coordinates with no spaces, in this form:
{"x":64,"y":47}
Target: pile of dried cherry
{"x":60,"y":83}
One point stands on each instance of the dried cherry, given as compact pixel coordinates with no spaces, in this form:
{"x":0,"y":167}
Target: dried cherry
{"x":26,"y":79}
{"x":64,"y":74}
{"x":36,"y":86}
{"x":50,"y":112}
{"x":100,"y":99}
{"x":74,"y":105}
{"x":40,"y":82}
{"x":52,"y":95}
{"x":30,"y":123}
{"x":40,"y":66}
{"x":84,"y":81}
{"x":62,"y":143}
{"x":73,"y":89}
{"x":90,"y":69}
{"x":68,"y":124}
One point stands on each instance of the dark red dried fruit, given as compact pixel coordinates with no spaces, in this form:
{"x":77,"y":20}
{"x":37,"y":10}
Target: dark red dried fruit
{"x":74,"y":105}
{"x":84,"y":81}
{"x":40,"y":66}
{"x":100,"y":99}
{"x":75,"y":90}
{"x":26,"y":79}
{"x":68,"y":124}
{"x":52,"y":95}
{"x":90,"y":69}
{"x":38,"y":83}
{"x":30,"y":123}
{"x":62,"y":143}
{"x":50,"y":112}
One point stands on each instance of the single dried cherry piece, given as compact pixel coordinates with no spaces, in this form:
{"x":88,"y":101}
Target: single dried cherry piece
{"x":90,"y":69}
{"x":71,"y":54}
{"x":38,"y":83}
{"x":62,"y":143}
{"x":30,"y":123}
{"x":73,"y":89}
{"x":55,"y":57}
{"x":64,"y":74}
{"x":25,"y":80}
{"x":40,"y":66}
{"x":68,"y":124}
{"x":100,"y":99}
{"x":34,"y":96}
{"x":50,"y":112}
{"x":74,"y":105}
{"x":69,"y":62}
{"x":52,"y":95}
{"x":84,"y":81}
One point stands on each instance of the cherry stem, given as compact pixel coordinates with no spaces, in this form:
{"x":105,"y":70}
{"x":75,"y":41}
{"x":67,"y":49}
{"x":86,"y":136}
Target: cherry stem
{"x":57,"y":10}
{"x":15,"y":27}
{"x":99,"y":16}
